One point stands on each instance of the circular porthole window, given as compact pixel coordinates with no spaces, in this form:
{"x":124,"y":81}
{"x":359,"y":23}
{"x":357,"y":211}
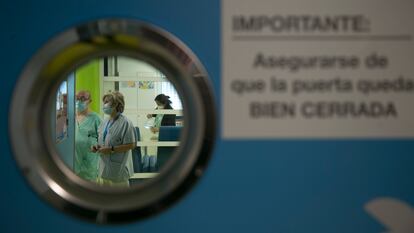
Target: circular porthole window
{"x":112,"y":120}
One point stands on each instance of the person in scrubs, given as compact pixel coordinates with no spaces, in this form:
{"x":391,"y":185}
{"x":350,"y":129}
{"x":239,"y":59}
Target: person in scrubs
{"x":86,"y":135}
{"x":115,"y":143}
{"x":163,"y":102}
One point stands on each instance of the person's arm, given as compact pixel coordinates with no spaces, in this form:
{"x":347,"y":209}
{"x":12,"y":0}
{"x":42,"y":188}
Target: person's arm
{"x":95,"y":148}
{"x":128,"y":142}
{"x":152,"y":115}
{"x":124,"y":148}
{"x":98,"y":122}
{"x":116,"y":149}
{"x":154,"y":129}
{"x":96,"y":127}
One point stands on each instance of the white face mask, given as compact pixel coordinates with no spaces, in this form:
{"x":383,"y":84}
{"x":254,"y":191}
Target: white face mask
{"x":160,"y":107}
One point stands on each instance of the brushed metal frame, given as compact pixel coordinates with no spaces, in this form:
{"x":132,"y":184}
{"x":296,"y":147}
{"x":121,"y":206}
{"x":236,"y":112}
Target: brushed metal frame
{"x":30,"y":130}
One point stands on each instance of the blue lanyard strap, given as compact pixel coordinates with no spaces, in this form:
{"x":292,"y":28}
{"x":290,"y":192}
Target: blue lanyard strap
{"x":108,"y":125}
{"x":105,"y":131}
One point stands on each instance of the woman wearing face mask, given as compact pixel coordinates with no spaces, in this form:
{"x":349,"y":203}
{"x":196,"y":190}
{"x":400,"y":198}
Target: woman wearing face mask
{"x":115,"y":142}
{"x":163,"y":102}
{"x":86,"y":135}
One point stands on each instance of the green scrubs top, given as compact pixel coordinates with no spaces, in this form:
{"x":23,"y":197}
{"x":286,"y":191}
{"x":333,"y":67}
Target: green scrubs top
{"x":158,"y":120}
{"x":86,"y":135}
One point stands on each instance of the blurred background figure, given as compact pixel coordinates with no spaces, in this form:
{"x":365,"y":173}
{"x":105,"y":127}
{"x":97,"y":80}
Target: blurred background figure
{"x":163,"y":102}
{"x":150,"y":163}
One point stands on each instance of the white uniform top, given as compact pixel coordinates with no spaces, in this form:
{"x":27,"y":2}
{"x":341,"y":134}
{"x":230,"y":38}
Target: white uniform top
{"x":117,"y":167}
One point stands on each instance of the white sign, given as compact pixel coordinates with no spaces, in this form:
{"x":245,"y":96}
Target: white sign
{"x":317,"y":69}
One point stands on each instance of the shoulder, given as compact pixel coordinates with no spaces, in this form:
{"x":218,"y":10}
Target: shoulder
{"x":126,"y":121}
{"x":95,"y":116}
{"x":104,"y":121}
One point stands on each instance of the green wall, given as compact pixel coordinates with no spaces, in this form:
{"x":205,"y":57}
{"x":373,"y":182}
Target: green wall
{"x":87,"y":78}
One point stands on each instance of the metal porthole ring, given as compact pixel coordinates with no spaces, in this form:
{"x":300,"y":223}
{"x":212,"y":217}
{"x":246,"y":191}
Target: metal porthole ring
{"x":29,"y":126}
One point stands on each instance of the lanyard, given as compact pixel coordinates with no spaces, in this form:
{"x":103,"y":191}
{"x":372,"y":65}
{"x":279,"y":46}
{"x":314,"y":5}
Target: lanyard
{"x":108,"y":125}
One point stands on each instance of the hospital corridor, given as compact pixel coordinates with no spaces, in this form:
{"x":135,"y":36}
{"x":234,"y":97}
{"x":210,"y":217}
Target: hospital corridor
{"x":151,"y":105}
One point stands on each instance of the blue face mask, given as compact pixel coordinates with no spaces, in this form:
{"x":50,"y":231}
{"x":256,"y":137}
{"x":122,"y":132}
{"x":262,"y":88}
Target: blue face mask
{"x":81,"y":106}
{"x":107,"y":109}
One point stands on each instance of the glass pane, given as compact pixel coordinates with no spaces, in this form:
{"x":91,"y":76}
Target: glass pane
{"x":61,"y":112}
{"x":128,"y":119}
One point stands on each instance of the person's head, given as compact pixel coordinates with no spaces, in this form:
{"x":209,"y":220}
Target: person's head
{"x":113,"y":103}
{"x":163,"y":101}
{"x":83,"y":100}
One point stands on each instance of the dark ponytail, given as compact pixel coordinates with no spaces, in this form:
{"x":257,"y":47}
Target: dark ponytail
{"x":164,"y":99}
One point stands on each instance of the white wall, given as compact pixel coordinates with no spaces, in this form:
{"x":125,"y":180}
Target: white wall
{"x":133,"y":67}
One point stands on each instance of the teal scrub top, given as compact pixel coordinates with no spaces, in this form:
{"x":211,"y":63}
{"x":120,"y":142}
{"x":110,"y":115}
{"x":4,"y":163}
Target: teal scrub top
{"x":158,"y":120}
{"x":86,"y":162}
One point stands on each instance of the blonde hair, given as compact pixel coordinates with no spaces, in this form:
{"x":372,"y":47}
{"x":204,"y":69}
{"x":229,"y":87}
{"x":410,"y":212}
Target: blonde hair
{"x":117,"y":100}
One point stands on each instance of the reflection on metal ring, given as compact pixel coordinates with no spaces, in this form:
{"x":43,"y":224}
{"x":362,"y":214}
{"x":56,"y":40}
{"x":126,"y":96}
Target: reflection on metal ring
{"x":30,"y":131}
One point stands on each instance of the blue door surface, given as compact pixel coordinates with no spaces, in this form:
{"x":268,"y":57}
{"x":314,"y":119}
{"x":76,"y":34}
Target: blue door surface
{"x":250,"y":185}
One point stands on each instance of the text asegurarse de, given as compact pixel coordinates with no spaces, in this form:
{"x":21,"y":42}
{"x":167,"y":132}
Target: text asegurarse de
{"x":373,"y":89}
